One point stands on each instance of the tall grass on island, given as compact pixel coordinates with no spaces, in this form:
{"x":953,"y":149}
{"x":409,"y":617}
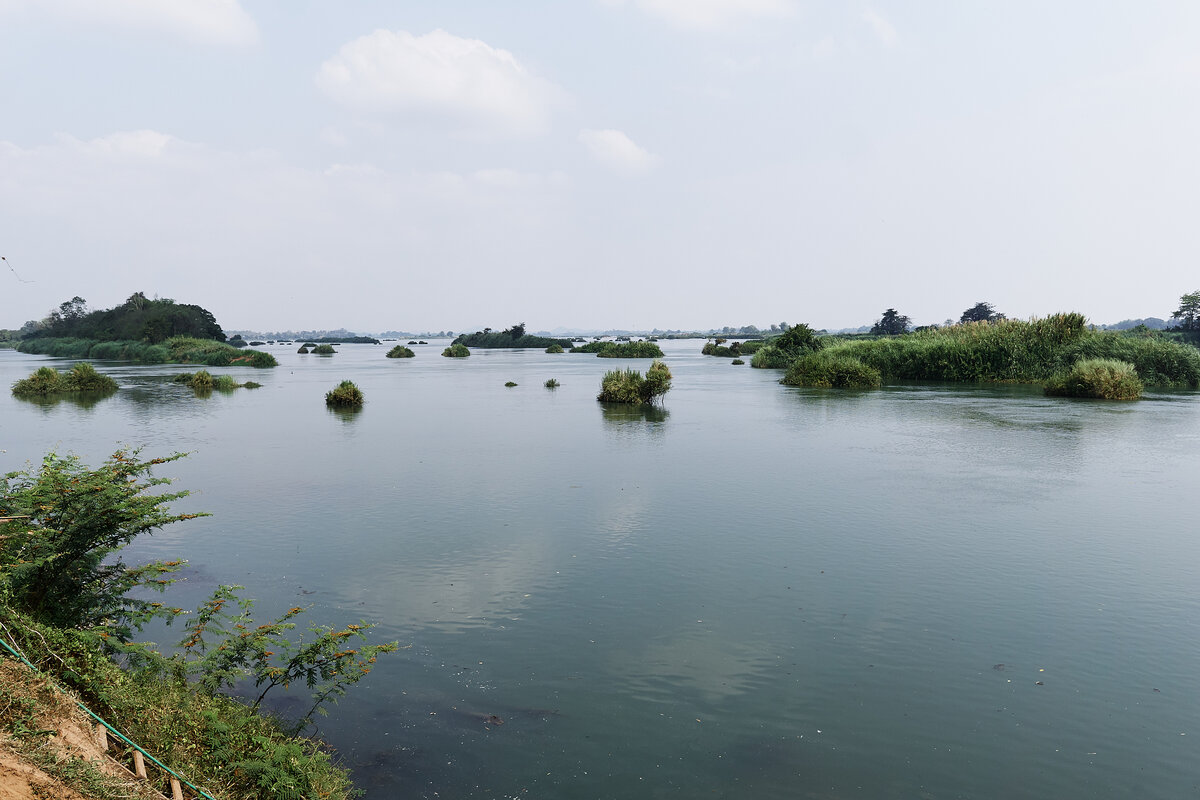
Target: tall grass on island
{"x":345,"y":395}
{"x":827,"y":369}
{"x":1098,"y":379}
{"x":621,"y":349}
{"x":47,"y":381}
{"x":456,"y":350}
{"x":778,"y":353}
{"x":176,"y":350}
{"x":629,"y":386}
{"x":1016,"y":351}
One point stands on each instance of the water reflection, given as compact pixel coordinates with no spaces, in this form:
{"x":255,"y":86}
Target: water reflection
{"x":345,"y":414}
{"x":621,"y":415}
{"x":82,"y":400}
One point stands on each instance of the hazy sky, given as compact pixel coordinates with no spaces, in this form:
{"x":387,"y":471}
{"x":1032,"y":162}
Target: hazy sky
{"x":599,"y":163}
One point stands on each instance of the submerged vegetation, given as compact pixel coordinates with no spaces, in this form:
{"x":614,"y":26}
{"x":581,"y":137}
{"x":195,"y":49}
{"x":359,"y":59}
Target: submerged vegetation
{"x":344,"y":395}
{"x":203,"y":381}
{"x":629,"y":386}
{"x":73,"y":606}
{"x":400,"y":351}
{"x":1098,"y":378}
{"x":47,"y":381}
{"x":456,"y":350}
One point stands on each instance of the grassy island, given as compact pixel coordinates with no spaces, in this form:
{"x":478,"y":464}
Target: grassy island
{"x":400,"y":351}
{"x":47,"y":381}
{"x":324,"y":350}
{"x":344,"y":395}
{"x":629,"y":386}
{"x":456,"y":350}
{"x":514,"y":337}
{"x":621,"y":349}
{"x":203,"y":381}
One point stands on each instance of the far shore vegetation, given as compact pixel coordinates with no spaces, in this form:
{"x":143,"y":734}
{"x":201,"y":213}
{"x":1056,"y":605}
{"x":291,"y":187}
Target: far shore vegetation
{"x":400,"y":351}
{"x":48,"y":382}
{"x":621,"y":349}
{"x":514,"y":337}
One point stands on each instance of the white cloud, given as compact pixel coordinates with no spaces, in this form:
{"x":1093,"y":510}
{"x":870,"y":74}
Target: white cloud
{"x":617,"y":151}
{"x":710,"y":14}
{"x":880,"y":26}
{"x":124,"y":144}
{"x":202,"y":21}
{"x":478,"y":86}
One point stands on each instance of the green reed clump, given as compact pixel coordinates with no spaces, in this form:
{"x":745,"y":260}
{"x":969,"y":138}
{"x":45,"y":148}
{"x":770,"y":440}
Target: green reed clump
{"x":400,"y":351}
{"x":716,"y":349}
{"x":554,"y":348}
{"x":224,"y":383}
{"x":456,"y":351}
{"x":631,"y":350}
{"x":1158,"y":361}
{"x":552,"y":384}
{"x":737,"y":362}
{"x":1099,"y":378}
{"x":344,"y":395}
{"x":831,"y":370}
{"x":629,"y":386}
{"x":47,"y":381}
{"x":324,"y":350}
{"x":780,"y":352}
{"x":593,"y":347}
{"x":211,"y":353}
{"x":510,"y":384}
{"x":202,"y":381}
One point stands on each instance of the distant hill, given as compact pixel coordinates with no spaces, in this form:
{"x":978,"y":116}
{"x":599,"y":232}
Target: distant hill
{"x":1153,"y":323}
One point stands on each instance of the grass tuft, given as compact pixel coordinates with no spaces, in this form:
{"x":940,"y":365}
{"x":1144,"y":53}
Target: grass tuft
{"x":1097,"y":378}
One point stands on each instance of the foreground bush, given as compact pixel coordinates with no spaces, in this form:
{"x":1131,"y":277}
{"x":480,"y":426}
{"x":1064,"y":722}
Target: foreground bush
{"x":344,"y":395}
{"x":1099,"y":378}
{"x":400,"y":351}
{"x":830,"y":370}
{"x":628,"y":385}
{"x":456,"y":350}
{"x":47,"y":381}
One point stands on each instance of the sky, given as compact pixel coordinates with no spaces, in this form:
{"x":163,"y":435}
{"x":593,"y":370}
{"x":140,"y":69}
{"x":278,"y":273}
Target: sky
{"x":594,"y":164}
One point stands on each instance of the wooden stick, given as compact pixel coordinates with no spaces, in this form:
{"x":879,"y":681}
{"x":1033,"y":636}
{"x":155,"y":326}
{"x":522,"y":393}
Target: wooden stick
{"x":176,"y":789}
{"x":102,"y":738}
{"x":139,"y":764}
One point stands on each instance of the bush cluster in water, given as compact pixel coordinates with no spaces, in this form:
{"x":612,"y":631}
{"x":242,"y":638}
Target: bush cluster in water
{"x":1098,"y":378}
{"x":552,"y":384}
{"x":203,"y":381}
{"x":628,"y":385}
{"x":323,"y":350}
{"x":46,"y":381}
{"x":344,"y":395}
{"x":456,"y":351}
{"x":400,"y":351}
{"x":831,"y":370}
{"x":554,"y":348}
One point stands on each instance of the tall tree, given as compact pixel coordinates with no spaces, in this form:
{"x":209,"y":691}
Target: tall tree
{"x":1188,"y":312}
{"x":892,"y":323}
{"x":981,"y":312}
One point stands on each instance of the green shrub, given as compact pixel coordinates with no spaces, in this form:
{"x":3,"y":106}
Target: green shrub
{"x":1099,"y":378}
{"x":781,"y":351}
{"x":202,"y":381}
{"x":552,"y":384}
{"x":1159,"y":361}
{"x":631,"y":350}
{"x":737,"y":362}
{"x":47,"y":381}
{"x":555,"y":348}
{"x":831,"y":370}
{"x":344,"y":395}
{"x":323,"y":350}
{"x":510,"y":384}
{"x":224,"y":383}
{"x":400,"y":351}
{"x":251,"y":385}
{"x":303,"y":350}
{"x":753,"y":346}
{"x":456,"y":350}
{"x":628,"y":386}
{"x":211,"y":353}
{"x":717,"y":349}
{"x":593,"y":347}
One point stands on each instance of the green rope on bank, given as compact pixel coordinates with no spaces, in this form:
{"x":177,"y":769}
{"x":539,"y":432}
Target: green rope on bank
{"x":114,"y":731}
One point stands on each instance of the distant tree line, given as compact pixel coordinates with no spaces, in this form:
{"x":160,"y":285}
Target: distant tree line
{"x":514,"y":337}
{"x":137,"y":319}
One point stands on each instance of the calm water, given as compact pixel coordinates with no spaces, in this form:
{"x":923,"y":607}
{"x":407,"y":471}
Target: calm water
{"x":754,"y":592}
